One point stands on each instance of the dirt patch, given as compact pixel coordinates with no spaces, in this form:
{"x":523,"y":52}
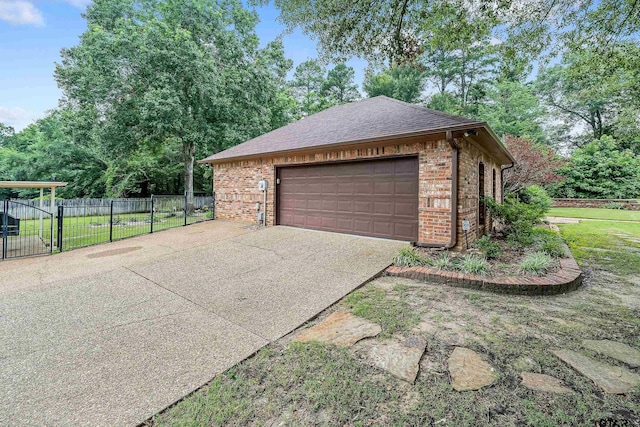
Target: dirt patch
{"x":113,"y":252}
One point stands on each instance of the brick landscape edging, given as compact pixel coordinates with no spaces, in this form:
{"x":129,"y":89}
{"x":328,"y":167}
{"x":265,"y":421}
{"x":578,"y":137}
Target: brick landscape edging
{"x":567,"y":278}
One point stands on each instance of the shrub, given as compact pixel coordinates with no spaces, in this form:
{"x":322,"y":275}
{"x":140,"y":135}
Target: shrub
{"x":519,"y":214}
{"x":408,"y":257}
{"x":537,"y":198}
{"x":443,"y":262}
{"x":473,"y":264}
{"x":488,"y":248}
{"x":536,"y":263}
{"x":613,"y":205}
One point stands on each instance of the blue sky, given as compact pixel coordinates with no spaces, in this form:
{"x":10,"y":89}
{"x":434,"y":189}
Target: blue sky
{"x":32,"y":32}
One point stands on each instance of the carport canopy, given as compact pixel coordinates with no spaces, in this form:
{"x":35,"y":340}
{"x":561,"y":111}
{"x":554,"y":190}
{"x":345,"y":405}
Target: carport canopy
{"x":37,"y":184}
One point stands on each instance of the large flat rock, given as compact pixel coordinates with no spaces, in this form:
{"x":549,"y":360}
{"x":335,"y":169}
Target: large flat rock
{"x":468,"y":370}
{"x":340,"y":328}
{"x":542,"y":382}
{"x":615,"y":350}
{"x":611,"y":379}
{"x":399,"y":359}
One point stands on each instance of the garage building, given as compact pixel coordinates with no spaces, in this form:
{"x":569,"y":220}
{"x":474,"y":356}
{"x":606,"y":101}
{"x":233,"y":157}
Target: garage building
{"x":377,"y":167}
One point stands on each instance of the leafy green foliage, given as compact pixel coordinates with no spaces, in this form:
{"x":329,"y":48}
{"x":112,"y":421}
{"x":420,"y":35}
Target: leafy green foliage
{"x":339,"y":86}
{"x":536,"y":263}
{"x":408,"y":257}
{"x":308,"y":80}
{"x":178,"y":78}
{"x":489,"y":248}
{"x":473,"y":264}
{"x":601,"y":170}
{"x":590,"y":91}
{"x":548,"y":241}
{"x":520,"y":213}
{"x":403,"y":82}
{"x":512,"y":108}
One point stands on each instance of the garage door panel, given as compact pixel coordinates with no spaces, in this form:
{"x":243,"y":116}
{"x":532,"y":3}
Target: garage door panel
{"x":364,"y":188}
{"x":345,"y":206}
{"x":383,"y":188}
{"x":383,"y":208}
{"x":405,"y":209}
{"x":345,"y":188}
{"x":362,"y":226}
{"x":376,"y":198}
{"x":362,"y":207}
{"x":405,"y":188}
{"x":383,"y":228}
{"x":407,"y":230}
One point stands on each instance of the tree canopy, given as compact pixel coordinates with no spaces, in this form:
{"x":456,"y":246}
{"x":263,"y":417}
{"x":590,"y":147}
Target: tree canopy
{"x":150,"y":78}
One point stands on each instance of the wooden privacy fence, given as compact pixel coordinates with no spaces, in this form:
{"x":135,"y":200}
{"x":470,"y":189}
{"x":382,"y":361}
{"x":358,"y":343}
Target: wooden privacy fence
{"x":91,"y":207}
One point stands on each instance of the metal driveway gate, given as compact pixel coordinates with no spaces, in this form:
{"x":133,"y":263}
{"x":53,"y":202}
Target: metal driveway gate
{"x":25,"y":230}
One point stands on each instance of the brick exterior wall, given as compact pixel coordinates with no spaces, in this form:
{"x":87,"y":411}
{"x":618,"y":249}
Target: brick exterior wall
{"x":630,"y":204}
{"x":236,"y":183}
{"x":468,"y":194}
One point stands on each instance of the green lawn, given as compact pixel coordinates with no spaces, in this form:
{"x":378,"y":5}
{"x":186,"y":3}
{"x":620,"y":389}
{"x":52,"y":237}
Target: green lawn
{"x":313,"y":384}
{"x":611,"y":245}
{"x":596,"y":213}
{"x":90,"y":230}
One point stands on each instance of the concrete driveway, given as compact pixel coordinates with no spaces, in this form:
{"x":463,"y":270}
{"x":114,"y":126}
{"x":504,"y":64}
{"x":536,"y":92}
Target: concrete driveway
{"x":112,"y":334}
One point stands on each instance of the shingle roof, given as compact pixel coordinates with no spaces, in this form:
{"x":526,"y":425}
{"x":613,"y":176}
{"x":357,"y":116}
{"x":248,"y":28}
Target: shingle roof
{"x":372,"y":118}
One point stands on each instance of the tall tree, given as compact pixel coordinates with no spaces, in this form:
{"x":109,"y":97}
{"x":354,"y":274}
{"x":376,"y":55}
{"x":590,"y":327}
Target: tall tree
{"x":403,"y":82}
{"x":512,"y":108}
{"x":153,"y":74}
{"x":586,"y":91}
{"x":394,"y":31}
{"x":308,"y":80}
{"x":339,"y":86}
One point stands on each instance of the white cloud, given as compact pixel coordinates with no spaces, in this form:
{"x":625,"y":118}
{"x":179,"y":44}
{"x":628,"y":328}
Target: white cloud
{"x":80,"y":4}
{"x":18,"y":117}
{"x":20,"y":12}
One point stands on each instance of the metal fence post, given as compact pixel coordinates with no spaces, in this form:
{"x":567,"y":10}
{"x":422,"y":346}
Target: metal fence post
{"x":185,"y":208}
{"x":5,"y":228}
{"x":152,"y":213}
{"x":111,"y":223}
{"x":60,"y":226}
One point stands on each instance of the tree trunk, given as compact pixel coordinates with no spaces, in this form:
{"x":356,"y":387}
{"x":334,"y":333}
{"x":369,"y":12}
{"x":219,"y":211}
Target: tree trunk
{"x":189,"y":155}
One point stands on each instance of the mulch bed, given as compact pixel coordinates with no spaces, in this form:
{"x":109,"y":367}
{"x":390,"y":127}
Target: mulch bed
{"x":507,"y":263}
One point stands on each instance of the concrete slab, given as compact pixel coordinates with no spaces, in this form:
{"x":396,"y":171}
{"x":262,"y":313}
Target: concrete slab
{"x":112,"y":334}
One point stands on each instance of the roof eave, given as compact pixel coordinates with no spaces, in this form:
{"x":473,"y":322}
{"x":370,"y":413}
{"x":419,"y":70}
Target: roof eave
{"x":498,"y":141}
{"x":473,"y":125}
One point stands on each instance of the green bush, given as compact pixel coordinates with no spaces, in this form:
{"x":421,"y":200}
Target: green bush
{"x":488,"y":248}
{"x":408,"y":257}
{"x":473,"y":264}
{"x":613,"y":205}
{"x":536,"y":263}
{"x":520,"y":213}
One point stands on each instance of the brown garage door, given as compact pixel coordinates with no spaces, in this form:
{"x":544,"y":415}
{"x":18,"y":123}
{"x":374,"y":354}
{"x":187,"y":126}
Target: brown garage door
{"x":373,"y":198}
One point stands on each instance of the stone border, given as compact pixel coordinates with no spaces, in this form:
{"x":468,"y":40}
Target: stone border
{"x":567,"y":278}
